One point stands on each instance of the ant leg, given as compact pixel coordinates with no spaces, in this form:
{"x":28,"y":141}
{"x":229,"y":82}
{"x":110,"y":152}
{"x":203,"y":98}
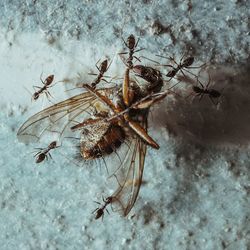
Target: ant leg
{"x":34,"y":86}
{"x":109,"y":65}
{"x":138,"y":50}
{"x":201,"y":96}
{"x":97,"y":203}
{"x":48,"y":94}
{"x":38,"y":153}
{"x":209,"y":79}
{"x":97,"y":65}
{"x":196,"y":95}
{"x":196,"y":67}
{"x":41,"y":78}
{"x":92,"y":74}
{"x":137,"y":42}
{"x":182,"y":57}
{"x":200,"y":83}
{"x":150,"y":60}
{"x":137,"y":58}
{"x":213,"y":101}
{"x":124,"y":42}
{"x":50,"y":156}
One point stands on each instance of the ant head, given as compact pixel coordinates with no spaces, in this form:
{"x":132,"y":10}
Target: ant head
{"x":52,"y":144}
{"x":109,"y":199}
{"x":131,"y":41}
{"x":104,"y":65}
{"x":50,"y":79}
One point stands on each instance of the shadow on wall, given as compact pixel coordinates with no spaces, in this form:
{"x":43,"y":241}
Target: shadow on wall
{"x":204,"y":123}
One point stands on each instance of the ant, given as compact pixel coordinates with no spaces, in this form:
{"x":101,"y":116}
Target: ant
{"x":184,"y":64}
{"x":100,"y":211}
{"x":204,"y":90}
{"x":44,"y":89}
{"x":42,"y":154}
{"x":102,"y":69}
{"x":131,"y":44}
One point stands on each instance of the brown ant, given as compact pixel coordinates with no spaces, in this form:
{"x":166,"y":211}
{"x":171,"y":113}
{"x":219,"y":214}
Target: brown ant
{"x":100,"y":211}
{"x":184,"y":64}
{"x":102,"y":69}
{"x":44,"y":152}
{"x":43,"y":89}
{"x":131,"y":44}
{"x":204,"y":90}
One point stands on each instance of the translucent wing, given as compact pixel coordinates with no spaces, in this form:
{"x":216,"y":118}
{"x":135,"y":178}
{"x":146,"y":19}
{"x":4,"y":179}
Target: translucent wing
{"x":128,"y":175}
{"x":58,"y":119}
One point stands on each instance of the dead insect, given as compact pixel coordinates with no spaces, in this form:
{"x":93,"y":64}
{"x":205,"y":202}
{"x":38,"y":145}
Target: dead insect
{"x":44,"y":152}
{"x":100,"y":211}
{"x":47,"y":82}
{"x":101,"y":137}
{"x":205,"y":90}
{"x":126,"y":135}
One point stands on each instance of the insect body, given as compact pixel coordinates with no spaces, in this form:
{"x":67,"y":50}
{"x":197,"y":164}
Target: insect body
{"x":43,"y":153}
{"x":212,"y":93}
{"x":182,"y":66}
{"x":100,"y":137}
{"x":102,"y":69}
{"x":89,"y":114}
{"x":100,"y":211}
{"x":185,"y":64}
{"x":131,"y":44}
{"x":43,"y":89}
{"x":205,"y":90}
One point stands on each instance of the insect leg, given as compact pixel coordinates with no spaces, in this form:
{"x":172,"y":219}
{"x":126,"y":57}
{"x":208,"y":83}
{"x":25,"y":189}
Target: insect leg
{"x":83,"y":124}
{"x":36,"y":87}
{"x":125,"y":88}
{"x":97,"y":65}
{"x":41,"y":78}
{"x":141,"y":132}
{"x":212,"y":100}
{"x":209,"y":79}
{"x":50,"y":156}
{"x":102,"y":98}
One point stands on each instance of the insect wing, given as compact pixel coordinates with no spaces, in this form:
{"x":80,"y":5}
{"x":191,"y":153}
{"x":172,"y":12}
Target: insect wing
{"x":129,"y":175}
{"x":58,"y":119}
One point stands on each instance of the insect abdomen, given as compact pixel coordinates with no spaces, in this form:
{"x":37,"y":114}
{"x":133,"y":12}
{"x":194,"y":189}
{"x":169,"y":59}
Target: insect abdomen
{"x":107,"y":144}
